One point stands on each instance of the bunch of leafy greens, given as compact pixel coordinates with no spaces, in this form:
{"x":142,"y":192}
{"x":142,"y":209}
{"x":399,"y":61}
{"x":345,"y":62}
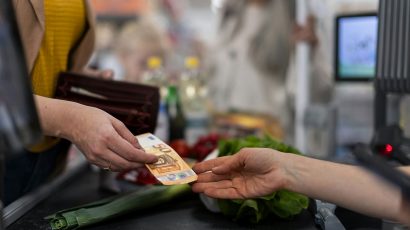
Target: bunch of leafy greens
{"x":284,"y":204}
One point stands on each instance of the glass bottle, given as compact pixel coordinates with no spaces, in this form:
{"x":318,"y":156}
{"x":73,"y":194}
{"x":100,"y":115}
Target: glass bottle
{"x":176,"y":117}
{"x":155,"y":76}
{"x":193,"y":98}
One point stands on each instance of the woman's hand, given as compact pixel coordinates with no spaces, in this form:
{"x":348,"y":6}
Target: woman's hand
{"x":249,"y":173}
{"x":306,"y":33}
{"x":107,"y":74}
{"x":256,"y":172}
{"x":104,"y":140}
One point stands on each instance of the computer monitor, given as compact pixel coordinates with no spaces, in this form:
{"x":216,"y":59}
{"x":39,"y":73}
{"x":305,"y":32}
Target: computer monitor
{"x":356,"y":47}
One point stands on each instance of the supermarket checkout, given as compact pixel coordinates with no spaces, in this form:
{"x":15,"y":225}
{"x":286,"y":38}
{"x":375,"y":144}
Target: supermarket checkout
{"x":105,"y":141}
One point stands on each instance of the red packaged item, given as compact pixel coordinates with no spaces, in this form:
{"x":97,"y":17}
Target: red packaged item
{"x":181,"y":147}
{"x":205,"y":145}
{"x":139,"y":176}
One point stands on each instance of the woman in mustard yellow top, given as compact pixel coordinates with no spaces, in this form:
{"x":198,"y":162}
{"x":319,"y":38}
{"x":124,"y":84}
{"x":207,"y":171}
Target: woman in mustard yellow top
{"x":58,"y":35}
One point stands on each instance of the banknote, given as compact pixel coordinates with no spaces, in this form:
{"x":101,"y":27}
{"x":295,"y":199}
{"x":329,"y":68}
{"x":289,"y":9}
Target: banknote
{"x":170,"y":169}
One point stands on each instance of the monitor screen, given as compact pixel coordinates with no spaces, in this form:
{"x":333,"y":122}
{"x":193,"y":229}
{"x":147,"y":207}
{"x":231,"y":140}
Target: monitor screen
{"x":356,"y":47}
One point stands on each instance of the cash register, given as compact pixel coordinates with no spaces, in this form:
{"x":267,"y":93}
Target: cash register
{"x":389,"y":147}
{"x":354,"y":71}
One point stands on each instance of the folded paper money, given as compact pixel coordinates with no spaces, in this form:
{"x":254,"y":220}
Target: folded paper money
{"x":170,"y":169}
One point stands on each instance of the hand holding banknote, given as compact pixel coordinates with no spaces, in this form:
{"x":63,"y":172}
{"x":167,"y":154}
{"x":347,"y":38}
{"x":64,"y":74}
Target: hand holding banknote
{"x":105,"y":141}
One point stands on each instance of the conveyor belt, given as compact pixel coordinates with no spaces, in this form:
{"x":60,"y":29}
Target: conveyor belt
{"x":185,"y":213}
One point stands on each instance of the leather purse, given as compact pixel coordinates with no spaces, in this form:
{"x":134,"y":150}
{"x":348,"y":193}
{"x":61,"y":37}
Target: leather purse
{"x":136,"y":105}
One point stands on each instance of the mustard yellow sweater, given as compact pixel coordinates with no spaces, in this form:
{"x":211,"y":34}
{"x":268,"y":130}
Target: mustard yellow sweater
{"x":65,"y":22}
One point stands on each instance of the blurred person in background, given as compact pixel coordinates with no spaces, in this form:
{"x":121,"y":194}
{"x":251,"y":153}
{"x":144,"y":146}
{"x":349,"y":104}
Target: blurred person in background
{"x":58,"y":35}
{"x":317,"y":33}
{"x":137,"y":42}
{"x":252,"y":56}
{"x":253,"y":66}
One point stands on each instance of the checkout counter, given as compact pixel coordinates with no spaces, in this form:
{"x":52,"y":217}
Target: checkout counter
{"x":80,"y":185}
{"x":183,"y":213}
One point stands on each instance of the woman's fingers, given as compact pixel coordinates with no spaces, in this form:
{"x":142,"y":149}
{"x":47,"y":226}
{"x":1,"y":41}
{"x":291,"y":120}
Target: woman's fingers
{"x":107,"y":74}
{"x":230,"y":164}
{"x":201,"y":187}
{"x":211,"y":177}
{"x":126,"y":145}
{"x":209,"y":165}
{"x":116,"y":163}
{"x":123,"y":131}
{"x":123,"y":148}
{"x":226,"y":193}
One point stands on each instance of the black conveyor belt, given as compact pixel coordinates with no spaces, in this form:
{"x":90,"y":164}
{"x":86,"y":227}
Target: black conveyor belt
{"x":185,"y":213}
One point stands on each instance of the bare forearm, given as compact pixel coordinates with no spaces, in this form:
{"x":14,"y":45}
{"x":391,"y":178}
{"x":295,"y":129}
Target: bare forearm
{"x":55,"y":116}
{"x":347,"y":186}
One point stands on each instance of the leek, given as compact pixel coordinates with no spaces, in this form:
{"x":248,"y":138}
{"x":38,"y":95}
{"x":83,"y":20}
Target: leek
{"x":96,"y":212}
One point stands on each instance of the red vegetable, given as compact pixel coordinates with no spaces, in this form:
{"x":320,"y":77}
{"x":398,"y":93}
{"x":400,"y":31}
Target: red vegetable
{"x":205,"y":145}
{"x":141,"y":176}
{"x":181,"y":147}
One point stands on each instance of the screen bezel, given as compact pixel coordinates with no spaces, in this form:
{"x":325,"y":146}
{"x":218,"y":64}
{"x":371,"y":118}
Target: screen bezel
{"x":338,"y":78}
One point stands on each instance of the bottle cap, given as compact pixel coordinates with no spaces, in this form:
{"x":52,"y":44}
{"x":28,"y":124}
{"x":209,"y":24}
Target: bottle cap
{"x":154,"y":62}
{"x":191,"y":62}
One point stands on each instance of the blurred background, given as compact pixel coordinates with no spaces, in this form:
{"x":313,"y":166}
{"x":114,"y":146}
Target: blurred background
{"x":300,"y":71}
{"x":234,"y":66}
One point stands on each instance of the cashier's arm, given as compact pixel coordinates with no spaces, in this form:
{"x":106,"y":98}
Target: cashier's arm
{"x":104,"y":140}
{"x":255,"y":172}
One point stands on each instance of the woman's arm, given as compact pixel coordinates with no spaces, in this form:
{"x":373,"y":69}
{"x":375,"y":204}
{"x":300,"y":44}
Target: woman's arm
{"x":348,"y":186}
{"x":257,"y":172}
{"x":103,"y":139}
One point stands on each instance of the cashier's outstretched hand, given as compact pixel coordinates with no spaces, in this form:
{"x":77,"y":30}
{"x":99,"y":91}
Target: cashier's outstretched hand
{"x":248,"y":174}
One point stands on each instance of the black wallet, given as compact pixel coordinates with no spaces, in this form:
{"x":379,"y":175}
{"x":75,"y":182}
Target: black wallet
{"x":136,"y":105}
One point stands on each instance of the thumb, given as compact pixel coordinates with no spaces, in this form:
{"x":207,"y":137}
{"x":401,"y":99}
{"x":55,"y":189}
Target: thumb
{"x":123,"y":131}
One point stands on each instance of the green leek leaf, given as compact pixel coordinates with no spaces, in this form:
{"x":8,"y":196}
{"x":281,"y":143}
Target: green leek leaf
{"x":96,"y":212}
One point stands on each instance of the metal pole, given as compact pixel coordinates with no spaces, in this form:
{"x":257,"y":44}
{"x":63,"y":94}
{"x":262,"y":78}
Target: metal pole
{"x":302,"y":78}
